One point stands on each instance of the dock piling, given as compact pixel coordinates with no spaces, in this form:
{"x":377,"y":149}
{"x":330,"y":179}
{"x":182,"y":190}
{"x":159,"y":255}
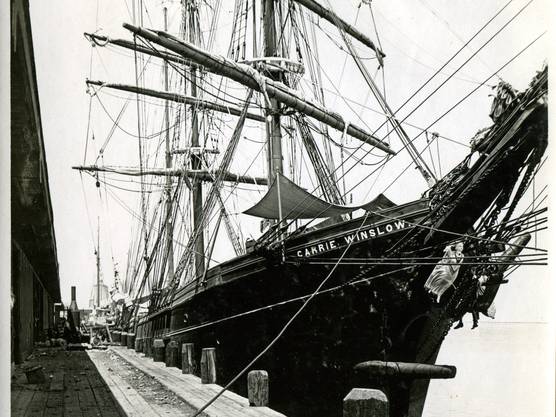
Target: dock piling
{"x":172,"y":354}
{"x":188,"y":365}
{"x":123,"y":339}
{"x":208,"y":366}
{"x":364,"y":402}
{"x":148,"y":347}
{"x":159,"y":350}
{"x":131,"y":340}
{"x":257,"y":388}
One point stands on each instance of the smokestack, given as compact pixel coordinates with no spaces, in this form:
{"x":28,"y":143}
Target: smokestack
{"x":74,"y":313}
{"x":73,"y":305}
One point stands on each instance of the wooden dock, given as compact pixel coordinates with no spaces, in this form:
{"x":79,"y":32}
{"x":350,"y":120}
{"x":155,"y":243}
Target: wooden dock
{"x":119,"y":382}
{"x":187,"y":387}
{"x":72,"y":387}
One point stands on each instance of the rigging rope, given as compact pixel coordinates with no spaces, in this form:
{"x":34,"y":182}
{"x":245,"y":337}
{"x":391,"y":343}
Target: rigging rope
{"x":440,"y":117}
{"x":422,"y":102}
{"x":461,"y":66}
{"x":282,"y":331}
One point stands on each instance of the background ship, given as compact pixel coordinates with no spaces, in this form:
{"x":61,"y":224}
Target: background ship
{"x":315,"y":298}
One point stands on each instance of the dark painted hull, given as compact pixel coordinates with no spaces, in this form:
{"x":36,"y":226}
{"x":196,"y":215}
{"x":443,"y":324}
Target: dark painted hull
{"x":364,"y":312}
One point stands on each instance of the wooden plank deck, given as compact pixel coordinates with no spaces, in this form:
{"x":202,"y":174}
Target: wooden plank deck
{"x":128,"y":399}
{"x":190,"y":389}
{"x":68,"y":390}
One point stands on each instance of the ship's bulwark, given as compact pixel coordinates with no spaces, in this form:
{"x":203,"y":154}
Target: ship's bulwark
{"x":377,"y":312}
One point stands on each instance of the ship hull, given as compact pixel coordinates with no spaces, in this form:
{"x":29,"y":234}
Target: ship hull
{"x":358,"y":315}
{"x":310,"y":367}
{"x":373,"y":309}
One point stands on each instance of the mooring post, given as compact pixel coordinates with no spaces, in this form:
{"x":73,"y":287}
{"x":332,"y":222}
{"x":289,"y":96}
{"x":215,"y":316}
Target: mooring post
{"x":159,"y":350}
{"x":131,"y":340}
{"x":364,"y":402}
{"x":123,"y":339}
{"x":172,"y":354}
{"x":208,"y":366}
{"x":188,"y":365}
{"x":150,"y":344}
{"x":147,"y":347}
{"x":138,"y":344}
{"x":257,"y":388}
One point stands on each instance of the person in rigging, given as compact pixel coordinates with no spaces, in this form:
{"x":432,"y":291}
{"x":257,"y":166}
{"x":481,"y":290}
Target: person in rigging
{"x":480,"y":283}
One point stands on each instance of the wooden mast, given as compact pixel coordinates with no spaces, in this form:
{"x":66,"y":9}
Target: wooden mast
{"x":274,"y":133}
{"x":197,"y":188}
{"x":98,"y":265}
{"x":258,"y":82}
{"x":169,"y":225}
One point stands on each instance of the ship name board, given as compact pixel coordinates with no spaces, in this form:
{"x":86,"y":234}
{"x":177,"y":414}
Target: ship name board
{"x":367,"y":233}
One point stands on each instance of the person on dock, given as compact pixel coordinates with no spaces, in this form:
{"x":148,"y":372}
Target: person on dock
{"x":446,"y":271}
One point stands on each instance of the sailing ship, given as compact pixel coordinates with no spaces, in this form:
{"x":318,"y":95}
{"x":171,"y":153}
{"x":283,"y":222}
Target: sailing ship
{"x":330,"y":294}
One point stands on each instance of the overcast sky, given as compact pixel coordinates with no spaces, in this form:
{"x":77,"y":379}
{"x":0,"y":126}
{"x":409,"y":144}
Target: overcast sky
{"x":417,"y":36}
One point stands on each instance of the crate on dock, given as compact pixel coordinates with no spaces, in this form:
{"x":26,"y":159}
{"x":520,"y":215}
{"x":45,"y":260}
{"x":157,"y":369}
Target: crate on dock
{"x":35,"y":375}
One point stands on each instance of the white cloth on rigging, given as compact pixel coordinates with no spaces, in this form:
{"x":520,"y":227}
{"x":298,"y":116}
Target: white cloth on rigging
{"x":297,"y":203}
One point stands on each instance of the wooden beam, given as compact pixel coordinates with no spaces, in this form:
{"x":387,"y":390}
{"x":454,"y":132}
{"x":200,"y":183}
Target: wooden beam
{"x":100,"y":40}
{"x":407,"y":370}
{"x":341,"y":24}
{"x":178,"y":98}
{"x":202,"y":175}
{"x":251,"y":78}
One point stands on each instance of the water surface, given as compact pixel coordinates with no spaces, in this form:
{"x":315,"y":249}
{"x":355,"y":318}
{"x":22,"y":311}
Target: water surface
{"x":503,"y":370}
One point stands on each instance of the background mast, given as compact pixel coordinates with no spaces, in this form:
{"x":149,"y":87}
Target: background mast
{"x":97,"y":304}
{"x":169,"y":226}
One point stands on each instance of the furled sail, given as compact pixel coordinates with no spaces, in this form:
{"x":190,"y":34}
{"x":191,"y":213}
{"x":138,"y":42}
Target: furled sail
{"x":297,"y":203}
